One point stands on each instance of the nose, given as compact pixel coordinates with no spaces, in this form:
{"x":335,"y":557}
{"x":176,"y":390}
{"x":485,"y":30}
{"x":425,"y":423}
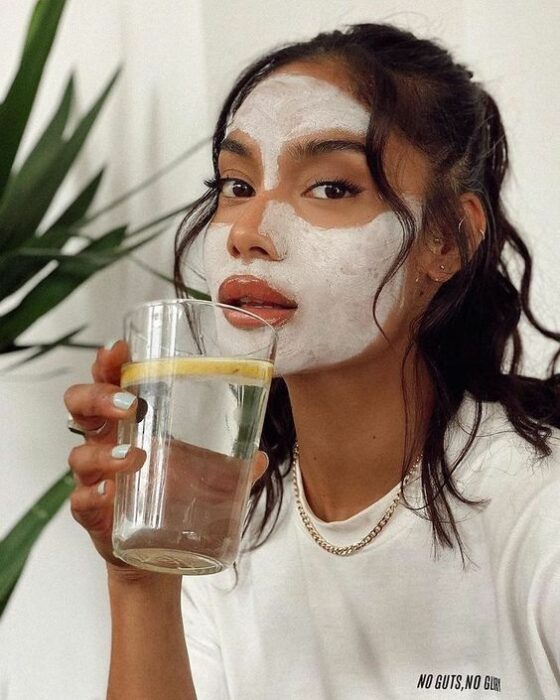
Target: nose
{"x":246,"y":239}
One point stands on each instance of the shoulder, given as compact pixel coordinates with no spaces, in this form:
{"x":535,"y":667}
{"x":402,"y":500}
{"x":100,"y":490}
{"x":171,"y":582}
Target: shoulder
{"x":499,"y":459}
{"x":519,"y":527}
{"x":520,"y":490}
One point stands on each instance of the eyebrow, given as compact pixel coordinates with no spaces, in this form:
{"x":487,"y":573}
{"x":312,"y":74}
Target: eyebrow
{"x":234,"y":146}
{"x":316,"y":147}
{"x":299,"y":151}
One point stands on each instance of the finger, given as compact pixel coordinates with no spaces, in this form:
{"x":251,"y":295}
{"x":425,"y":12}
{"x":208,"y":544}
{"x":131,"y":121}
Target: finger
{"x":89,"y":404}
{"x":91,"y":463}
{"x":92,"y":506}
{"x":108,"y":363}
{"x":260,"y":465}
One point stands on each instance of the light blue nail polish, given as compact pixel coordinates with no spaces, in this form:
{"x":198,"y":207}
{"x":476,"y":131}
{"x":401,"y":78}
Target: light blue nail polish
{"x":110,"y":344}
{"x":123,"y":399}
{"x":120,"y":451}
{"x":101,"y":488}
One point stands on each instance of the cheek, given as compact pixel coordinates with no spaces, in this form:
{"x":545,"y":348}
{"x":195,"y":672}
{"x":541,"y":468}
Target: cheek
{"x":340,"y":266}
{"x":323,"y":215}
{"x":214,"y":253}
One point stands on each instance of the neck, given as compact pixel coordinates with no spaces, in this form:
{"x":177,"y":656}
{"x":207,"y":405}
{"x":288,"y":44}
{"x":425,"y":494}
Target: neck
{"x":351,"y":426}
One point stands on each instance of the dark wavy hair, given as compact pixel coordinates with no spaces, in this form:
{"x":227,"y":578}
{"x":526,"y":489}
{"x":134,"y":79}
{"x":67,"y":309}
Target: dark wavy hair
{"x":468,"y":336}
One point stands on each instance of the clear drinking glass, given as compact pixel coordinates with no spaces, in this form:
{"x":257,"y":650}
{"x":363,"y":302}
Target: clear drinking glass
{"x":203,"y":385}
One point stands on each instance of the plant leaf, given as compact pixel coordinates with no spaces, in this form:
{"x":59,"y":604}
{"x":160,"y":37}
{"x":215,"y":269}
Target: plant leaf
{"x":194,"y":293}
{"x":158,"y":220}
{"x":71,"y":272}
{"x":52,"y":135}
{"x":151,"y":270}
{"x":17,"y":268}
{"x":55,"y":287}
{"x":43,"y":349}
{"x":30,"y":192}
{"x":17,"y":105}
{"x":16,"y":546}
{"x":82,"y":262}
{"x":77,"y":210}
{"x":150,"y":180}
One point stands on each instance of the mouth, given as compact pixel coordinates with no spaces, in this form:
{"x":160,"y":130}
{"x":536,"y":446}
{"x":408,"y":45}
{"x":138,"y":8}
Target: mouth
{"x":249,"y":293}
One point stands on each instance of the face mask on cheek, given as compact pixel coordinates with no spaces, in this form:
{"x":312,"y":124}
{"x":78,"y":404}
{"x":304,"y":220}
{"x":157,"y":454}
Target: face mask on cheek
{"x":332,"y":274}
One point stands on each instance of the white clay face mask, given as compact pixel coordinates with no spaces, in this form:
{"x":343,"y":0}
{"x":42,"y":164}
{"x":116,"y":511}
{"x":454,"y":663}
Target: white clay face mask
{"x":331,"y":273}
{"x":286,"y":107}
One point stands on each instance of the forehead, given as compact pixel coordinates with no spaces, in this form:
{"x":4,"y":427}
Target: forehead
{"x":304,"y":100}
{"x":299,"y":100}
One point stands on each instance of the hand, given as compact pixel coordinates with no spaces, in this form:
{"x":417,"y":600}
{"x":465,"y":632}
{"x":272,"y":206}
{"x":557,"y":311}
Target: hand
{"x":94,"y":464}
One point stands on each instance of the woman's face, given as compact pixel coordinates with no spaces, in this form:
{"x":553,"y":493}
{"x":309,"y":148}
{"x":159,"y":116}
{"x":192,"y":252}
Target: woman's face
{"x":299,"y":214}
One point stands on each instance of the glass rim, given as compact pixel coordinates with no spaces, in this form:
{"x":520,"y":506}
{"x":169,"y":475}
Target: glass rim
{"x":207,"y":302}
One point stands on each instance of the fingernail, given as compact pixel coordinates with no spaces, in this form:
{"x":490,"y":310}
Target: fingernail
{"x":120,"y":451}
{"x":101,"y":488}
{"x":123,"y":399}
{"x":110,"y":344}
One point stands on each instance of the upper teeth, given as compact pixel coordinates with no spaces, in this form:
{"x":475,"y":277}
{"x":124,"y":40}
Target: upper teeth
{"x":246,"y":300}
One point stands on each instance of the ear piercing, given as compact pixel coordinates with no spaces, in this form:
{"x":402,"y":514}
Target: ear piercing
{"x":437,"y":240}
{"x":439,"y":279}
{"x":481,"y":231}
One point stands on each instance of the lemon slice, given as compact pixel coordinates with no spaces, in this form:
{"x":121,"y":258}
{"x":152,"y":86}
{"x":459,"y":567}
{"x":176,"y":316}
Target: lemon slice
{"x":238,"y":370}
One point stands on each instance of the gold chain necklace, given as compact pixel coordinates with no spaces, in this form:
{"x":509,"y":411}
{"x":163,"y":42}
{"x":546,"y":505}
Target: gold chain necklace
{"x":344,"y":551}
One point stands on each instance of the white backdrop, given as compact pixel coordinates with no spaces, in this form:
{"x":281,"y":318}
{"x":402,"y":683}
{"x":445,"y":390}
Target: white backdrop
{"x":180,"y":57}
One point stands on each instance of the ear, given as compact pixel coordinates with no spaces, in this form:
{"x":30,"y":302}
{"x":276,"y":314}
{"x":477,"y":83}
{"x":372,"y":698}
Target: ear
{"x":474,"y":223}
{"x":440,"y":258}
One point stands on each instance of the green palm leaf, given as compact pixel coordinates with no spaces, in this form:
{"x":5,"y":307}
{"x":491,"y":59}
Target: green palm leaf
{"x":54,"y":288}
{"x":16,"y":108}
{"x":29,"y":251}
{"x":16,"y":546}
{"x":43,"y":349}
{"x":72,"y":271}
{"x":18,"y":266}
{"x":40,"y":177}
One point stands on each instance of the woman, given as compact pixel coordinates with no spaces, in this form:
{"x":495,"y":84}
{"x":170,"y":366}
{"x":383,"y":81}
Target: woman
{"x":406,"y":545}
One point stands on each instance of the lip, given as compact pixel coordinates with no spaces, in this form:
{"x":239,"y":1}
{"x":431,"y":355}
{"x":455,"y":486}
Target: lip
{"x":257,"y":292}
{"x":275,"y":317}
{"x":234,"y":288}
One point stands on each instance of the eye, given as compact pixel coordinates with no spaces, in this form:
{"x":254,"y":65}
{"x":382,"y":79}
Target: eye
{"x":234,"y":188}
{"x":334,"y":189}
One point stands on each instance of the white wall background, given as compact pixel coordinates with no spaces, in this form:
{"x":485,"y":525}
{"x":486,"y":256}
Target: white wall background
{"x":180,"y":57}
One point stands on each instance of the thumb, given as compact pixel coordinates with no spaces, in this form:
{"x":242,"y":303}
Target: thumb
{"x":260,"y":465}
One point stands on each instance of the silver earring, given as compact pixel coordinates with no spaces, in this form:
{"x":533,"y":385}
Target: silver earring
{"x":460,"y":224}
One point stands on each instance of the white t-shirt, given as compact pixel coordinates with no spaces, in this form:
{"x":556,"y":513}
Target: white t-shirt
{"x":390,"y":621}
